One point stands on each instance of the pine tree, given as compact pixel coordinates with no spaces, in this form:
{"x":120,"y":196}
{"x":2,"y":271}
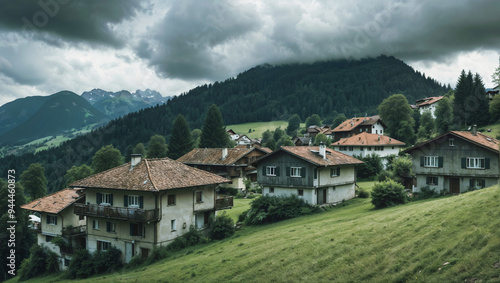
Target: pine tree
{"x":479,"y":106}
{"x":180,"y":142}
{"x":461,"y":104}
{"x":496,"y":75}
{"x":34,"y":181}
{"x":213,"y":133}
{"x":157,"y":147}
{"x":444,"y":115}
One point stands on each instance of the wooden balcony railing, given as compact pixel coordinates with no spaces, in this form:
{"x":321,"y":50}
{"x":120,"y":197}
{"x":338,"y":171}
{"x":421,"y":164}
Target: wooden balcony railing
{"x":118,"y":213}
{"x":74,"y":231}
{"x":223,"y":202}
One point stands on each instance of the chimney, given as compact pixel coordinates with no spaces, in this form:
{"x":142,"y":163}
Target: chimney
{"x":474,"y":130}
{"x":322,"y":150}
{"x":134,"y":160}
{"x":224,"y":153}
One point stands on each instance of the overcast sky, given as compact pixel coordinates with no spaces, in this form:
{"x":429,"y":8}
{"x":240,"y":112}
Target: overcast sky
{"x":172,"y":46}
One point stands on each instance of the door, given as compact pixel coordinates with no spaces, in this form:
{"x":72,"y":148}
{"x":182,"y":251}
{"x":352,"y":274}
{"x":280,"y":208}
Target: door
{"x":454,"y":185}
{"x":129,"y":252}
{"x":321,"y":196}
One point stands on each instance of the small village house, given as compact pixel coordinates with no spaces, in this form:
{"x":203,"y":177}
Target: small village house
{"x":230,"y":163}
{"x":365,"y":144}
{"x":428,"y":104}
{"x":354,"y":126}
{"x":57,"y":219}
{"x":456,"y":162}
{"x":317,"y":174}
{"x":146,"y":203}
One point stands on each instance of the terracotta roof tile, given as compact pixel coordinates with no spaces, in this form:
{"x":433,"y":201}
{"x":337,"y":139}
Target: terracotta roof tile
{"x":479,"y":139}
{"x":350,"y":124}
{"x":55,"y":202}
{"x":213,"y":156}
{"x":428,"y":100}
{"x":311,"y":154}
{"x":150,"y":175}
{"x":366,"y":139}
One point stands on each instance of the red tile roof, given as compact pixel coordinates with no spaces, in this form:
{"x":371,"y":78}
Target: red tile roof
{"x":428,"y":100}
{"x":150,"y":175}
{"x":213,"y":156}
{"x":350,"y":124}
{"x":55,"y":202}
{"x":479,"y":139}
{"x":366,"y":139}
{"x":311,"y":154}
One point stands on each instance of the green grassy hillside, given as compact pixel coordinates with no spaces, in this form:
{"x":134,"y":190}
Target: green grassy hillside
{"x":449,"y":239}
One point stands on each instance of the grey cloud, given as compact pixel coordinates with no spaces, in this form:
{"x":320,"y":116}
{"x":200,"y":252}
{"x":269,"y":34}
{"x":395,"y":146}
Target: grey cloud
{"x":60,"y":21}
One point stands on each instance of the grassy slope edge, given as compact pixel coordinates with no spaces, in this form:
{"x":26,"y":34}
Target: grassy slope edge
{"x":453,"y":238}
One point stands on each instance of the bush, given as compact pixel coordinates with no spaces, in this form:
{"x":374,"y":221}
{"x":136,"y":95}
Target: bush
{"x":227,"y":191}
{"x":370,"y":168}
{"x":221,"y":227}
{"x":40,"y":261}
{"x":239,"y":196}
{"x":157,"y":254}
{"x":388,"y":193}
{"x":363,"y":194}
{"x":243,"y":215}
{"x":425,"y":193}
{"x":192,"y":238}
{"x":135,"y":262}
{"x":384,"y":175}
{"x":81,"y":266}
{"x":267,"y":209}
{"x":107,"y":261}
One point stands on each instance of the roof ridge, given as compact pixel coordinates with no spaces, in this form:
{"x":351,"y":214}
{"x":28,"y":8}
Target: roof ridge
{"x":149,"y":175}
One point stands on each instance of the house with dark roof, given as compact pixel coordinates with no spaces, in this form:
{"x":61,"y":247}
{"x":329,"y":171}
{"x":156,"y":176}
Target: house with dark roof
{"x":57,"y":219}
{"x":491,"y":92}
{"x":301,"y":141}
{"x":354,"y":126}
{"x":146,"y":203}
{"x":317,"y":174}
{"x":233,"y":164}
{"x":365,"y":144}
{"x":456,"y":162}
{"x":428,"y":104}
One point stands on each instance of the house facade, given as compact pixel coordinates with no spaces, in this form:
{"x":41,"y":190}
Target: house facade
{"x":145,"y":203}
{"x":231,"y":163}
{"x":456,"y":162}
{"x":364,"y":144}
{"x":319,"y":175}
{"x":354,"y":126}
{"x":428,"y":104}
{"x":57,"y":219}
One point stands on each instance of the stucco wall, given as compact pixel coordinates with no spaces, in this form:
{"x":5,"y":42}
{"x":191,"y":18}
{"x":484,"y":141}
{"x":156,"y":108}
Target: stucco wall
{"x":347,"y":174}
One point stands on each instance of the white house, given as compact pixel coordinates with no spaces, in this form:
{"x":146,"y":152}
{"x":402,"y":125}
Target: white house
{"x":319,"y":175}
{"x":365,"y":144}
{"x":428,"y":104}
{"x":146,"y":203}
{"x":58,"y":220}
{"x":354,"y":126}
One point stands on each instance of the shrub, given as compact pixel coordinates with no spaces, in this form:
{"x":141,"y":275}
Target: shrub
{"x":425,"y":193}
{"x":81,"y":266}
{"x":157,"y":254}
{"x":388,"y":193}
{"x":135,"y":262}
{"x":239,"y":196}
{"x":363,"y":194}
{"x":384,"y":175}
{"x":221,"y":227}
{"x":267,"y":209}
{"x":401,"y":167}
{"x":243,"y":215}
{"x":370,"y":168}
{"x":41,"y":260}
{"x":227,"y":191}
{"x":107,"y":261}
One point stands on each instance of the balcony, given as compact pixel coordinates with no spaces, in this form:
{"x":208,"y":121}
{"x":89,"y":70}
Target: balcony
{"x":223,"y":202}
{"x":74,"y":231}
{"x":117,"y":213}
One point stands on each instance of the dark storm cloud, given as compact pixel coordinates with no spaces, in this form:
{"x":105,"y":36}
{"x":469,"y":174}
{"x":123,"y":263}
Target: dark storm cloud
{"x":189,"y":41}
{"x":60,"y":21}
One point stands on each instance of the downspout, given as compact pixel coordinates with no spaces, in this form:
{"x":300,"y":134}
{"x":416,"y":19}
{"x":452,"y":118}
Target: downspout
{"x":160,"y":212}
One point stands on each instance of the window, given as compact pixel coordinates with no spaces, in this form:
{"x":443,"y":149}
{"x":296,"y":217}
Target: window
{"x":48,"y":238}
{"x":369,"y":148}
{"x":102,"y":246}
{"x":271,"y":190}
{"x":199,"y":196}
{"x":430,"y":161}
{"x":295,"y":172}
{"x":300,"y":193}
{"x":378,"y":148}
{"x":334,"y":172}
{"x":52,"y":219}
{"x":351,"y":148}
{"x":171,"y":199}
{"x":475,"y":163}
{"x":476,"y":183}
{"x":81,"y":217}
{"x":432,"y":181}
{"x":95,"y":224}
{"x":343,"y":148}
{"x":144,"y":253}
{"x":271,"y":171}
{"x":451,"y":142}
{"x":360,"y":130}
{"x":135,"y":229}
{"x":173,"y":225}
{"x":133,"y":201}
{"x":110,"y":227}
{"x":104,"y":198}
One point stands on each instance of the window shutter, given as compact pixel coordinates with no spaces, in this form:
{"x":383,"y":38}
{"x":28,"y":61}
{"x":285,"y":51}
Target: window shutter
{"x":55,"y":220}
{"x":125,"y":200}
{"x":99,"y":198}
{"x":422,"y":161}
{"x":111,"y":199}
{"x":303,"y":172}
{"x":338,"y":171}
{"x":331,"y":172}
{"x":277,"y":171}
{"x":471,"y":183}
{"x":486,"y":163}
{"x":131,"y":230}
{"x":437,"y":181}
{"x":47,"y":219}
{"x":440,"y":162}
{"x":288,"y":171}
{"x":108,"y":228}
{"x":141,"y":202}
{"x":483,"y":183}
{"x":464,"y":162}
{"x":263,"y":170}
{"x":315,"y":173}
{"x":427,"y":180}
